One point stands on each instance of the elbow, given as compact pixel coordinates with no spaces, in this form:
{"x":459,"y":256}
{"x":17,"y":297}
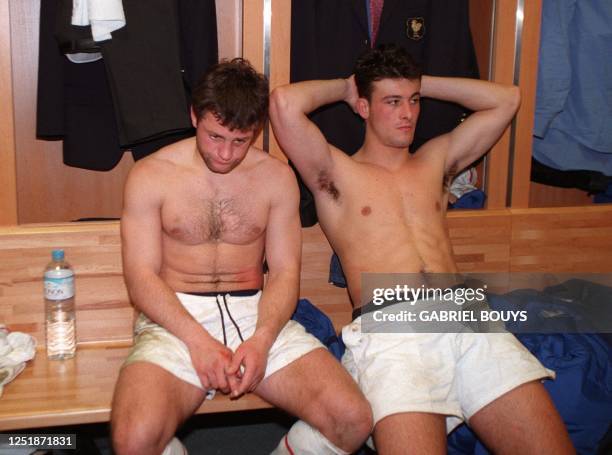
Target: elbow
{"x":513,"y":99}
{"x":279,"y":102}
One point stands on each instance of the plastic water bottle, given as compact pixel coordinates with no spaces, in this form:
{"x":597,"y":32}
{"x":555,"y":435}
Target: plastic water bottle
{"x":59,"y":308}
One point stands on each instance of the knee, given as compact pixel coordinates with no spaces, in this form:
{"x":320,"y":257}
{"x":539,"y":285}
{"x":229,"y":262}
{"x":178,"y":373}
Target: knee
{"x":135,"y":436}
{"x":357,"y":417}
{"x":348,"y":418}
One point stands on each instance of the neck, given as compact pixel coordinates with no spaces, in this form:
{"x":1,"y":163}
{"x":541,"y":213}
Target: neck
{"x":374,"y":152}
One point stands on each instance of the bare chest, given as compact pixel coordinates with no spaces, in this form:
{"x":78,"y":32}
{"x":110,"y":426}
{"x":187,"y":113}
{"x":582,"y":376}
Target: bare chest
{"x":218,"y":218}
{"x":406,"y":198}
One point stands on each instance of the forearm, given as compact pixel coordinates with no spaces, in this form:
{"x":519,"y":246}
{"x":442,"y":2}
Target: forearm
{"x":151,"y":295}
{"x":474,"y":94}
{"x":276,"y":306}
{"x":309,"y":95}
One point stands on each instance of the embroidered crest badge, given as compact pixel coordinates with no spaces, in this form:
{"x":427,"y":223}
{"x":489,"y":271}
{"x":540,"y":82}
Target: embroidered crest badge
{"x":415,"y":28}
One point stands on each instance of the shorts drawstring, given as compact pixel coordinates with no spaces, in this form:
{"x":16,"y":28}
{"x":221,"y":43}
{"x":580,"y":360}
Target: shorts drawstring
{"x":223,"y":318}
{"x":232,"y":319}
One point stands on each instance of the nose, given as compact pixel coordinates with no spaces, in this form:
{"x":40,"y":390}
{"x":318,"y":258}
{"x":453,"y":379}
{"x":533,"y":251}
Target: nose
{"x":406,"y":112}
{"x":225,"y":152}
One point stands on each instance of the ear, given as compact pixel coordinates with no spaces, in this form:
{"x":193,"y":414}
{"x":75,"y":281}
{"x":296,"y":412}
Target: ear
{"x":363,"y":108}
{"x":194,"y":117}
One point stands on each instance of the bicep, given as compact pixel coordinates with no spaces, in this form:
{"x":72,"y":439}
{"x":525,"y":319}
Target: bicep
{"x":302,"y":142}
{"x":472,"y":139}
{"x":140,"y":228}
{"x":283,"y":233}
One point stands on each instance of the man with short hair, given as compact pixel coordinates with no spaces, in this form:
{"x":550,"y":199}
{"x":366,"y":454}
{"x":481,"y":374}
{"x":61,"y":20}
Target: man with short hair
{"x":383,"y":211}
{"x":199,"y":217}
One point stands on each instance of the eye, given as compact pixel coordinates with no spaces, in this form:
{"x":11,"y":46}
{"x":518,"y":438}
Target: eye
{"x":415,"y":100}
{"x":215,"y":137}
{"x":239,"y":141}
{"x":393,"y":102}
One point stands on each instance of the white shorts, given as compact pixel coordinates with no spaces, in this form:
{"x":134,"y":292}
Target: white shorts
{"x":154,"y":344}
{"x":455,"y":374}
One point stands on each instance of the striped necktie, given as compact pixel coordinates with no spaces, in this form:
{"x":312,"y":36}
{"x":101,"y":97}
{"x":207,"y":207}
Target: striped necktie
{"x":376,"y":7}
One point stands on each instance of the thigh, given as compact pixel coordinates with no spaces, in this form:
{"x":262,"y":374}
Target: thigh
{"x":146,"y":394}
{"x":524,"y":421}
{"x":313,"y":383}
{"x":411,"y":433}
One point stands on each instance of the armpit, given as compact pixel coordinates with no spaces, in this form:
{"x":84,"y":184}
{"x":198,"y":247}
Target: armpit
{"x":326,"y":185}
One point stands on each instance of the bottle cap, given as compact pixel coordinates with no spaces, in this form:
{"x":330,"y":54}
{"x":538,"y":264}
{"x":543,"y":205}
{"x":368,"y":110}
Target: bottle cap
{"x":57,"y":255}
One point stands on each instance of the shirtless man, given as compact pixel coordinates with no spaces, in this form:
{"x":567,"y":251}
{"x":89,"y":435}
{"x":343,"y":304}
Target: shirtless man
{"x":391,"y":204}
{"x":199,"y":217}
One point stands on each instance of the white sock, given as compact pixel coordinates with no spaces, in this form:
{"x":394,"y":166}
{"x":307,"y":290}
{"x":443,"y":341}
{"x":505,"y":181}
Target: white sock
{"x":302,"y":439}
{"x":175,"y":447}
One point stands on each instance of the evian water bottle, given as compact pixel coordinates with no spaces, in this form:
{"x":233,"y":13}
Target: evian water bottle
{"x":59,"y":308}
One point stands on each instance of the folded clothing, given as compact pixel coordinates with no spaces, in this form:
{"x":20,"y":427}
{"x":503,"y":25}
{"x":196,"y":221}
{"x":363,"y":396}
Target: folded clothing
{"x":16,"y":349}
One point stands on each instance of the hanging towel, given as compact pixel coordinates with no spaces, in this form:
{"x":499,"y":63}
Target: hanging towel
{"x":105,"y":16}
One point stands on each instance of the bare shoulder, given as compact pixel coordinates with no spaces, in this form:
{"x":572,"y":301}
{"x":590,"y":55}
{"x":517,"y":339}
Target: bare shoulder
{"x":152,"y":175}
{"x":434,"y":151}
{"x":271,"y":167}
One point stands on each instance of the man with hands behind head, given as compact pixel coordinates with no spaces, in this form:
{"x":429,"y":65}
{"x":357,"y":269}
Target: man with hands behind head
{"x":383,"y":210}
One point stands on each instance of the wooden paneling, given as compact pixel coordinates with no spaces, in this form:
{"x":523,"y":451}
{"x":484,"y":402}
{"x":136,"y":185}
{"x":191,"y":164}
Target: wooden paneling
{"x":253,"y":49}
{"x":229,"y":28}
{"x":8,"y":169}
{"x":316,"y":254}
{"x":572,"y":239}
{"x":279,"y":57}
{"x":551,"y":196}
{"x":252,"y":39}
{"x":503,"y":70}
{"x":93,"y":249}
{"x":480,"y":240}
{"x":521,"y":174}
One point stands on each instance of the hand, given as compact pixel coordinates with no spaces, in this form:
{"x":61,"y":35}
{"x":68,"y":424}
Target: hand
{"x":211,"y":359}
{"x":252,"y":356}
{"x":352,"y":95}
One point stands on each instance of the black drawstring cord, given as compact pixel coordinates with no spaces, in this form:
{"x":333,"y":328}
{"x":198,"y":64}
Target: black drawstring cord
{"x":222,"y":319}
{"x":232,"y":319}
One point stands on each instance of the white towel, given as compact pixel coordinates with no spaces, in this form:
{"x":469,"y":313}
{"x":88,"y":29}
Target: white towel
{"x":16,"y":349}
{"x":105,"y":16}
{"x":464,"y":182}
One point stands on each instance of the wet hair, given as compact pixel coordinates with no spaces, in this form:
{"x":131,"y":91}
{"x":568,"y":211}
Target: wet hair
{"x":387,"y":61}
{"x":234,"y":93}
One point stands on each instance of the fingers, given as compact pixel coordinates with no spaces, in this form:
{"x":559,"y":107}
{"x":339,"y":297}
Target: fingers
{"x":222,"y":383}
{"x":248,"y":375}
{"x":234,"y":383}
{"x":234,"y":373}
{"x":234,"y":365}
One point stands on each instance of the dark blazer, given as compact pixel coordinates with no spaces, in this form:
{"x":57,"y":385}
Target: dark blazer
{"x":327,"y":36}
{"x":137,"y":97}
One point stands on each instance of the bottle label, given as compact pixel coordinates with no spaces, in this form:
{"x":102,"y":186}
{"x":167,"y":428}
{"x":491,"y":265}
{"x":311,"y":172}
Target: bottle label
{"x":59,"y":288}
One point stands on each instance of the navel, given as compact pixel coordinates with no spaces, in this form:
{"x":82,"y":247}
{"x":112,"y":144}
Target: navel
{"x":438,"y":207}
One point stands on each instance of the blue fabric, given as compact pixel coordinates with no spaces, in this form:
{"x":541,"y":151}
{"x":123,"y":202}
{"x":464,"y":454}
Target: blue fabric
{"x":582,"y":390}
{"x":318,"y":324}
{"x":605,"y":197}
{"x":475,"y":199}
{"x":574,"y":90}
{"x":336,"y":274}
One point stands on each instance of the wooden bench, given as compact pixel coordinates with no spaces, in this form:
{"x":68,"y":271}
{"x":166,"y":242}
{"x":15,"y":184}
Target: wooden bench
{"x":76,"y":391}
